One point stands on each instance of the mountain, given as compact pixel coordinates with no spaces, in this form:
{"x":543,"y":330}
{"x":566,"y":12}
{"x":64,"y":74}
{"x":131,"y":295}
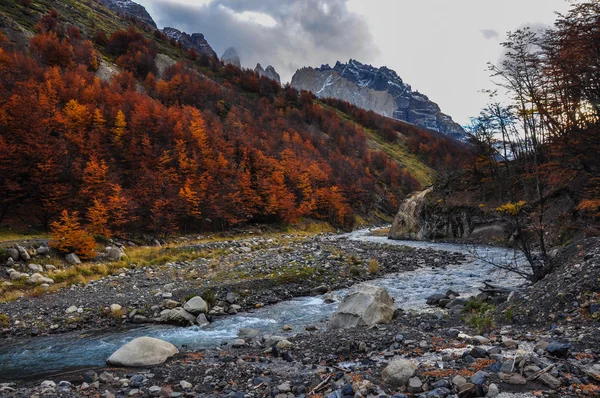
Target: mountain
{"x":230,"y":56}
{"x":195,"y":41}
{"x":378,"y":89}
{"x":130,"y":8}
{"x":270,"y":72}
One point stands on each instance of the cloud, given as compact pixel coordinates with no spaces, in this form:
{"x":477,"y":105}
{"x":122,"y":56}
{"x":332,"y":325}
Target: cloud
{"x":490,"y":33}
{"x":286,"y":34}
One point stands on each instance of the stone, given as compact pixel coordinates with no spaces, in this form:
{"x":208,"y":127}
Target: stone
{"x":559,"y":350}
{"x":170,"y":304}
{"x":398,"y":372}
{"x":369,"y":305}
{"x":479,"y":378}
{"x":43,"y":250}
{"x":143,"y":351}
{"x":415,"y":385}
{"x":550,"y":380}
{"x":459,"y":381}
{"x":13,"y":253}
{"x":284,"y":344}
{"x":201,"y":320}
{"x":478,"y":352}
{"x":50,"y":267}
{"x":35,"y":268}
{"x":320,"y":290}
{"x":115,"y":308}
{"x":230,"y":298}
{"x":10,"y":262}
{"x":286,"y":328}
{"x":177,"y":316}
{"x":72,"y":259}
{"x":38,"y":278}
{"x":185,"y":385}
{"x":48,"y":384}
{"x":508,"y":366}
{"x":434,"y":299}
{"x":196,"y":305}
{"x":493,"y":391}
{"x":71,"y":309}
{"x":510,"y":345}
{"x":517,"y":379}
{"x":238,"y":343}
{"x":115,"y":253}
{"x":15,"y":275}
{"x":23,"y":254}
{"x":481,"y":339}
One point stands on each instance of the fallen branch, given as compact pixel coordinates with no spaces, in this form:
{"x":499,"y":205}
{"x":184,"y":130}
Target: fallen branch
{"x":540,"y":372}
{"x":320,"y":386}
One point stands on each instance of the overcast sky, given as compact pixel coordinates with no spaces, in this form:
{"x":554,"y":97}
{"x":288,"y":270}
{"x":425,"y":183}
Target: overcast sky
{"x":439,"y":47}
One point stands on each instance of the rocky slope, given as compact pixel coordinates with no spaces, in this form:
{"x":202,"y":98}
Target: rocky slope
{"x":194,"y":41}
{"x":378,"y":89}
{"x":270,"y":72}
{"x":130,"y":8}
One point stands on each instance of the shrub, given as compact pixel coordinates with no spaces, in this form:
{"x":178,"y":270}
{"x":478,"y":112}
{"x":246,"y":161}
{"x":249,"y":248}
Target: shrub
{"x":373,"y":266}
{"x":210,"y":297}
{"x":69,"y":237}
{"x":478,"y":315}
{"x":4,"y":321}
{"x":355,"y":271}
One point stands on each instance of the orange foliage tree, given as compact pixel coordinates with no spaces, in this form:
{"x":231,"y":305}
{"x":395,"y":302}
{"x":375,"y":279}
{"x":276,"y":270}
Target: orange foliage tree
{"x":69,"y":237}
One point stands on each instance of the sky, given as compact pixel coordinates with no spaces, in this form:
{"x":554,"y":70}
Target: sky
{"x":440,"y":47}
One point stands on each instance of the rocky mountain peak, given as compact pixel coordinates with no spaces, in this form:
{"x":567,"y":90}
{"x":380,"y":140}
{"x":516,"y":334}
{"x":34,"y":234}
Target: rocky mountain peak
{"x":378,"y":89}
{"x":230,"y":56}
{"x":270,"y":72}
{"x":130,"y":8}
{"x":195,"y":41}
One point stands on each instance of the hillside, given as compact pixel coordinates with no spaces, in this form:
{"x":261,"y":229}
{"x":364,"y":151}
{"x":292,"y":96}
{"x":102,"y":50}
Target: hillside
{"x":162,"y":145}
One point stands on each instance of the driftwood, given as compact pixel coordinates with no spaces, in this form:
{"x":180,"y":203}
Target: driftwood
{"x":320,"y":386}
{"x":539,"y":373}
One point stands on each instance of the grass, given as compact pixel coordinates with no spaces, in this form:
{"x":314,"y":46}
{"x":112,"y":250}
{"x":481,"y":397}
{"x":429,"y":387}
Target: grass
{"x":4,"y":321}
{"x":373,"y":266}
{"x":478,"y":315}
{"x":9,"y":235}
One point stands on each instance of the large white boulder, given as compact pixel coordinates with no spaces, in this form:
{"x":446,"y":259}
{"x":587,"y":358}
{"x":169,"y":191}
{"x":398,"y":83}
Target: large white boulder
{"x":143,"y":351}
{"x":369,"y":305}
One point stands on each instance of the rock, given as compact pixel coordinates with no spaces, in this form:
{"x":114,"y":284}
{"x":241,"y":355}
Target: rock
{"x":434,"y":299}
{"x":17,"y":275}
{"x":284,"y":387}
{"x":170,"y":304}
{"x":286,"y":328}
{"x":185,"y":385}
{"x":479,"y":378}
{"x":481,"y":339}
{"x":177,"y":316}
{"x":320,"y":290}
{"x":143,"y":351}
{"x":517,"y":379}
{"x":35,"y":268}
{"x":550,"y":380}
{"x":559,"y":350}
{"x":479,"y":352}
{"x":493,"y":391}
{"x":247,"y":332}
{"x":459,"y":381}
{"x":196,"y":306}
{"x":369,"y":305}
{"x":13,"y":253}
{"x":23,"y":254}
{"x":115,"y":308}
{"x":510,"y":345}
{"x":72,"y":259}
{"x":398,"y":372}
{"x":48,"y":384}
{"x":230,"y":298}
{"x":115,"y":253}
{"x":43,"y":250}
{"x":238,"y":343}
{"x":284,"y":344}
{"x":415,"y":385}
{"x":38,"y":278}
{"x":453,"y":333}
{"x":10,"y":262}
{"x":50,"y":267}
{"x":467,"y":390}
{"x":230,"y":56}
{"x":201,"y":320}
{"x":71,"y":309}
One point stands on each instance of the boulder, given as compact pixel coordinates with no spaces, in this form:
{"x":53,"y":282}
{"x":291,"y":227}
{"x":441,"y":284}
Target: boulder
{"x":398,"y":372}
{"x":369,"y":305}
{"x":35,"y":268}
{"x":143,"y":351}
{"x":73,"y":259}
{"x":177,"y":316}
{"x":196,"y":306}
{"x":38,"y":278}
{"x":115,"y":253}
{"x":13,"y":253}
{"x":201,"y":320}
{"x":43,"y":249}
{"x":15,"y":275}
{"x":23,"y":254}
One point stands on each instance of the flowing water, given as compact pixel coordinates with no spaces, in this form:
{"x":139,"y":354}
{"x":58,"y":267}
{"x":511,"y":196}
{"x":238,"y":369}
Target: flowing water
{"x":54,"y":354}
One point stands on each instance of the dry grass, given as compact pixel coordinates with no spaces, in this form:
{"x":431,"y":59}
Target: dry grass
{"x":381,"y":232}
{"x":373,"y":266}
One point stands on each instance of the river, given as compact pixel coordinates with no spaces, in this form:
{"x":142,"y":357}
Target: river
{"x":36,"y":357}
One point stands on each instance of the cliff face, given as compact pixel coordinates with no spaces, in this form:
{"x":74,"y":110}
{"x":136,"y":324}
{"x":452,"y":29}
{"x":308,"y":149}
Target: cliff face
{"x":270,"y":72}
{"x":195,"y":41}
{"x":420,"y":219}
{"x":130,"y":8}
{"x":378,"y":89}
